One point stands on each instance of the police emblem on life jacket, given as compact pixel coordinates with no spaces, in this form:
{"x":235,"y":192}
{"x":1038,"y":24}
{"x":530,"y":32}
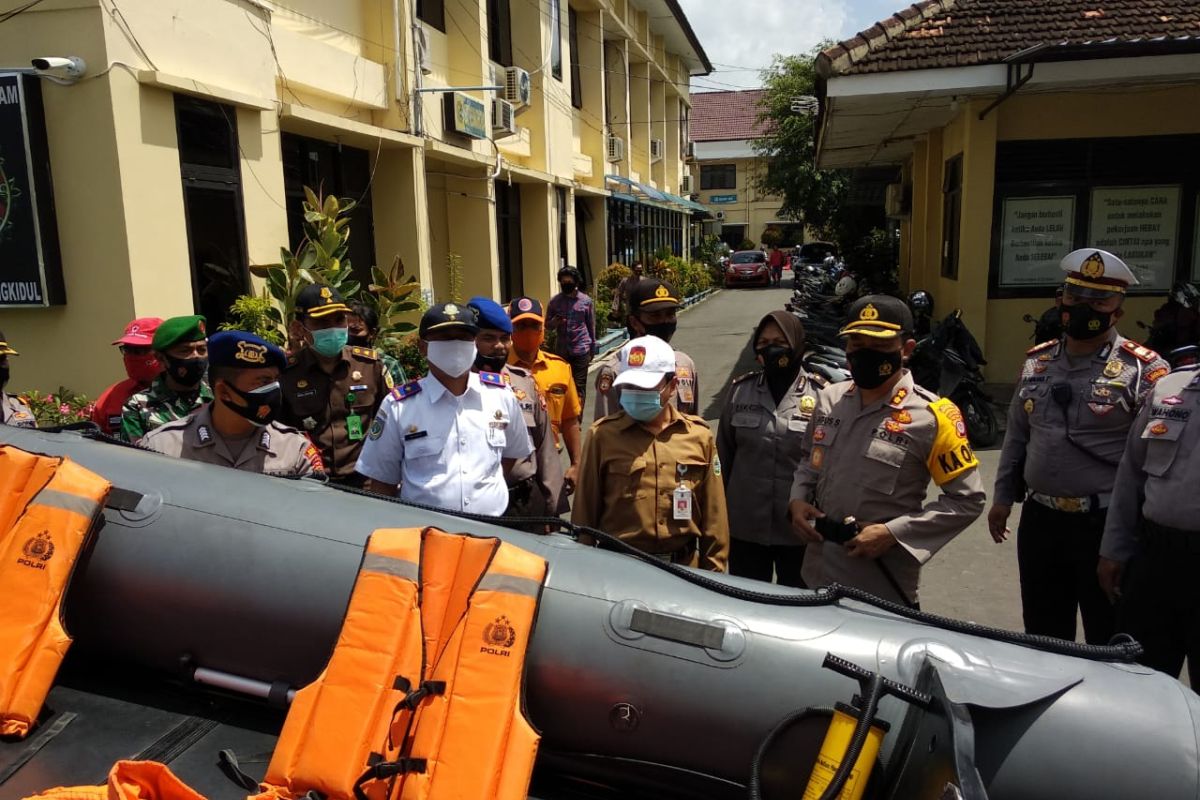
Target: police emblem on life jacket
{"x":498,"y":636}
{"x":38,"y":550}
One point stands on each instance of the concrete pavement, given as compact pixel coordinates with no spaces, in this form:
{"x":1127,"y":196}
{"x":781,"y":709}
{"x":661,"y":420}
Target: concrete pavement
{"x":971,"y":578}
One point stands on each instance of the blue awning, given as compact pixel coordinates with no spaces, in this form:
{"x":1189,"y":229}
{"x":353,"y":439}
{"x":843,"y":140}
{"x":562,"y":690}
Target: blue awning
{"x":639,"y":191}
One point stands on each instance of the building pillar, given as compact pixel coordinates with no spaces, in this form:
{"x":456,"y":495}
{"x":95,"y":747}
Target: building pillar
{"x":591,"y":122}
{"x":975,"y":234}
{"x":539,"y":240}
{"x":638,"y":153}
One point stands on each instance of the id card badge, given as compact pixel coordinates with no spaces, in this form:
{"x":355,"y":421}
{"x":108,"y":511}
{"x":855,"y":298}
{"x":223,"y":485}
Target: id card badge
{"x":354,"y":431}
{"x":683,"y":503}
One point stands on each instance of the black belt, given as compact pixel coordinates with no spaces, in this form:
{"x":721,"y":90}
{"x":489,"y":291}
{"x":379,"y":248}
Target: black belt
{"x":678,"y":556}
{"x":1175,"y":540}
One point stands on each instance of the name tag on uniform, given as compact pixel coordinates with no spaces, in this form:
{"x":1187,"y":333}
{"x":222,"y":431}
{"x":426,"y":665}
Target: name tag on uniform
{"x":683,"y":503}
{"x":798,"y":424}
{"x":408,"y":437}
{"x":745,"y":419}
{"x":361,"y":387}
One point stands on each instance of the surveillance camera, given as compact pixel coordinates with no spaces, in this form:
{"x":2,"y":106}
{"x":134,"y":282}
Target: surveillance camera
{"x":71,"y":67}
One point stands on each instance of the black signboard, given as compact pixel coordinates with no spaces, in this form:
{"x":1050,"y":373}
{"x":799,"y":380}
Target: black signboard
{"x":30,"y":264}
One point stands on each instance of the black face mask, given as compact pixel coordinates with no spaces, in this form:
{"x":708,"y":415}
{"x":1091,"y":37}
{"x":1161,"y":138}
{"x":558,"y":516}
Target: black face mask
{"x":662,"y":330}
{"x":3,"y":377}
{"x":567,"y":288}
{"x":489,"y":363}
{"x":186,"y":371}
{"x":262,"y":405}
{"x":1085,"y":322}
{"x":872,"y":368}
{"x":358,"y":341}
{"x":776,"y":359}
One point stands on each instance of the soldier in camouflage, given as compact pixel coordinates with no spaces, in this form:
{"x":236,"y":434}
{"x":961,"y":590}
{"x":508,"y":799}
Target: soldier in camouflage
{"x":182,"y":346}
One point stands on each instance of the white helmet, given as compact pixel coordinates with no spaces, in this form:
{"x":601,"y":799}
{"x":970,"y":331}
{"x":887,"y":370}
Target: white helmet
{"x":845,"y":286}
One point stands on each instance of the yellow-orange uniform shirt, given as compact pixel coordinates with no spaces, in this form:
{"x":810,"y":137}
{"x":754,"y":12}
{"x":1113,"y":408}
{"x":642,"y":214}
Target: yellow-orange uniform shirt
{"x":553,"y":376}
{"x":627,"y":482}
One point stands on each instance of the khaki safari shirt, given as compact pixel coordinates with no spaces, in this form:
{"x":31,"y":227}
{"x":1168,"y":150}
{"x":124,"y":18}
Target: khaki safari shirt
{"x":273,"y":449}
{"x":544,"y":464}
{"x":875,"y":464}
{"x":1161,"y":464}
{"x":1106,"y":389}
{"x":627,"y":482}
{"x":759,"y":444}
{"x":335,"y":409}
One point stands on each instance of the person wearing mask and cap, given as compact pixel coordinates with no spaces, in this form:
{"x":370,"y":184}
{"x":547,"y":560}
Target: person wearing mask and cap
{"x":535,"y":483}
{"x":141,"y":367}
{"x":620,"y":298}
{"x":554,"y":379}
{"x":238,"y":429}
{"x":362,"y":325}
{"x":12,"y":411}
{"x":858,"y":499}
{"x":448,"y":439}
{"x":332,"y":390}
{"x":1075,"y":401}
{"x":762,"y":427}
{"x":181,"y":346}
{"x":650,"y":473}
{"x":653,"y":311}
{"x":571,"y":315}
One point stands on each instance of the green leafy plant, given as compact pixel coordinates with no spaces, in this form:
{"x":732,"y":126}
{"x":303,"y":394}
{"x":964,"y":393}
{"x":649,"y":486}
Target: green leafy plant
{"x":391,"y":295}
{"x":747,"y":245}
{"x":408,"y":353}
{"x":603,"y":310}
{"x":608,"y":280}
{"x":64,"y":408}
{"x":454,"y":271}
{"x":256,"y":314}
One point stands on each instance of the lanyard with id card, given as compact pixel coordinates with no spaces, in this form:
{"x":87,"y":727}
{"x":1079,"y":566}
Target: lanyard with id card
{"x":682,"y":496}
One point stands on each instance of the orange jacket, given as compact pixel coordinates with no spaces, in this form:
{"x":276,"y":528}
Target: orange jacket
{"x":422,"y":697}
{"x":48,"y":507}
{"x":128,"y":780}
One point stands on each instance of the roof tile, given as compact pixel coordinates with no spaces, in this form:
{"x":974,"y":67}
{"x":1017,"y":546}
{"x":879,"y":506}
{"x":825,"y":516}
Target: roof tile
{"x":726,"y":116}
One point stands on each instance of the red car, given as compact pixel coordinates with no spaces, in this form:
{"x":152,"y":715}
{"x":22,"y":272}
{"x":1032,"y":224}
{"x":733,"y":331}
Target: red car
{"x":747,"y":268}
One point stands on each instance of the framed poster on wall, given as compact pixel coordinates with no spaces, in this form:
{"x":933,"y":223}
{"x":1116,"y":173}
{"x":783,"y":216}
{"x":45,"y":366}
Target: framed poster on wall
{"x":1141,"y":225}
{"x":1035,"y":233}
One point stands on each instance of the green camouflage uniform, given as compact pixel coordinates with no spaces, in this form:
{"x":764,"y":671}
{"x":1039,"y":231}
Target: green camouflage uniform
{"x":146,"y":410}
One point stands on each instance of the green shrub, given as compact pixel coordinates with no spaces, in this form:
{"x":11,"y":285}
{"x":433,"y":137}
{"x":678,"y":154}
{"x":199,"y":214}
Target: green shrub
{"x":253,"y":313}
{"x":405,"y":350}
{"x":607,"y":280}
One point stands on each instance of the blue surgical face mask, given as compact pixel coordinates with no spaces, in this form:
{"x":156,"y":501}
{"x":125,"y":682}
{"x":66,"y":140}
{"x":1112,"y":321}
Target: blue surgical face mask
{"x":329,"y":342}
{"x":641,"y":404}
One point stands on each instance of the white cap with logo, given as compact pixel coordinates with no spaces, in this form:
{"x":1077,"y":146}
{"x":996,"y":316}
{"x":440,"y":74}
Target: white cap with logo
{"x":643,"y":362}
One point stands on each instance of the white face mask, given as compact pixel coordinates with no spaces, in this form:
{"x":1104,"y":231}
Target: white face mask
{"x":454,"y":358}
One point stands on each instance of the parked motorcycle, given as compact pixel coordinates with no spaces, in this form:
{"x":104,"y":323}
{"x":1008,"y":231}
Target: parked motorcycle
{"x":948,"y":362}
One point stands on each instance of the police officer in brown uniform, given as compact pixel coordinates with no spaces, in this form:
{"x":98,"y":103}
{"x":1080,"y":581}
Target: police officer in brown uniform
{"x":12,"y":411}
{"x":650,"y":473}
{"x":868,"y":454}
{"x":759,"y":437}
{"x":1153,"y":526}
{"x":653,"y":306}
{"x":1070,"y":415}
{"x":535,"y":482}
{"x":331,"y":391}
{"x":238,"y":429}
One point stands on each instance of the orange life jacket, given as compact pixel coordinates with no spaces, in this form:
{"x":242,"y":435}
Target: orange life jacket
{"x":128,"y":780}
{"x":48,"y":506}
{"x":422,"y":698}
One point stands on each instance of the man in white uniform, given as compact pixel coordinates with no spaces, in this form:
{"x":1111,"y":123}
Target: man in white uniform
{"x":447,"y":439}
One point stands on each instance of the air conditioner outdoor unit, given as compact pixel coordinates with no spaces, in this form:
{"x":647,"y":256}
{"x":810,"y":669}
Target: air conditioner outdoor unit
{"x":685,"y":185}
{"x":721,"y":214}
{"x":504,"y":118}
{"x":616,"y":149}
{"x":691,"y":151}
{"x":656,"y":150}
{"x":518,"y":89}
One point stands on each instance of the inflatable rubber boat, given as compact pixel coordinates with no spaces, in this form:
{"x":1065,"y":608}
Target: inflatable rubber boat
{"x":209,"y":596}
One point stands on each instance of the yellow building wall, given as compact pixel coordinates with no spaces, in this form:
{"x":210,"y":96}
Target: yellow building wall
{"x":753,"y":209}
{"x":997,"y":323}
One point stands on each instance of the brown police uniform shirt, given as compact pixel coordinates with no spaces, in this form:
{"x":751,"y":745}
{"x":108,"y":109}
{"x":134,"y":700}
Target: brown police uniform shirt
{"x":759,"y":444}
{"x":627,"y":481}
{"x":15,"y":413}
{"x":687,"y":390}
{"x":1161,"y":464}
{"x":1106,"y":390}
{"x":544,"y":464}
{"x":874,"y":464}
{"x":273,"y":449}
{"x":335,"y":409}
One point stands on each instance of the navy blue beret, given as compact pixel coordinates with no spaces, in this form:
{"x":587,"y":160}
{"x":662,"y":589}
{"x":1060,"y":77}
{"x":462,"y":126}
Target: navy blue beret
{"x":241,"y":350}
{"x":491,"y":314}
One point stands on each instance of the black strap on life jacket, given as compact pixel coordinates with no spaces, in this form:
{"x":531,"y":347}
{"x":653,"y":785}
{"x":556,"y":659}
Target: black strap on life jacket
{"x":377,"y":768}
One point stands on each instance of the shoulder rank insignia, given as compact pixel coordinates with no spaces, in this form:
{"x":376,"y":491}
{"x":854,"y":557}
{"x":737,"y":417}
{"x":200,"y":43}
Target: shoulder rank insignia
{"x":365,"y":352}
{"x":401,"y":393}
{"x":898,"y":397}
{"x":1144,"y":354}
{"x":492,"y":379}
{"x":203,"y":435}
{"x":265,"y":441}
{"x":1037,"y":348}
